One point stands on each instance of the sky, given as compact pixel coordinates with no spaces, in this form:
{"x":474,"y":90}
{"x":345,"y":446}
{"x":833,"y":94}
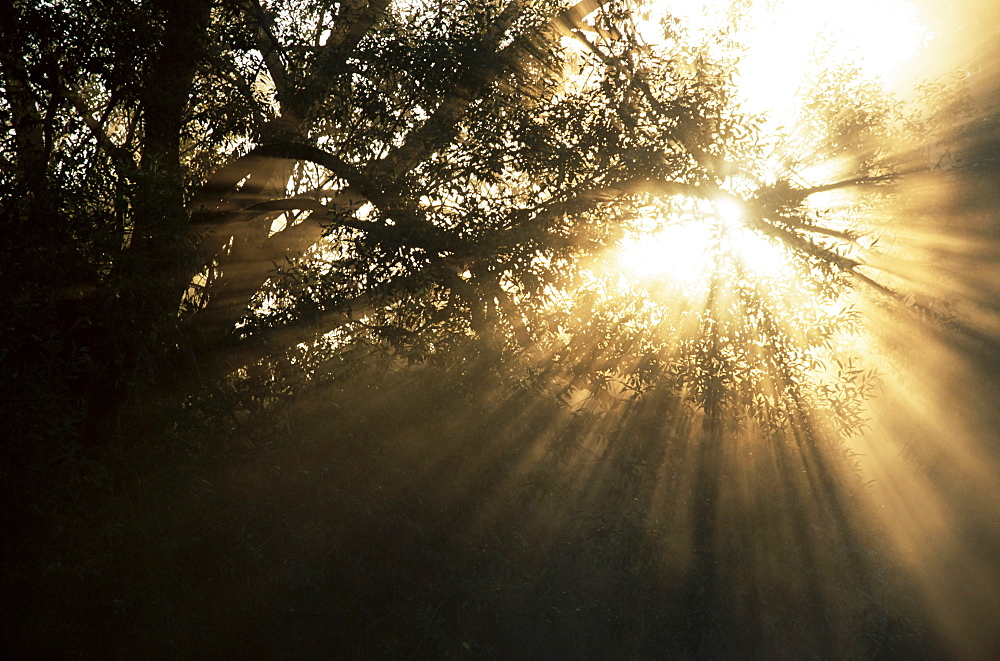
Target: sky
{"x":781,"y":36}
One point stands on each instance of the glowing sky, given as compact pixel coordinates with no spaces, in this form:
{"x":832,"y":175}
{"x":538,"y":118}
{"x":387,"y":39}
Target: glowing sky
{"x":782,"y":38}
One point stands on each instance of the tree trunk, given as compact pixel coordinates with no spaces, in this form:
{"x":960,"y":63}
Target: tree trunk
{"x":148,"y":280}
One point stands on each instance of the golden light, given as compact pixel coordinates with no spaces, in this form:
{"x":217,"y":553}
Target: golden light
{"x":796,"y":37}
{"x":678,"y":254}
{"x":730,"y":211}
{"x":781,"y":45}
{"x":786,"y":492}
{"x":683,"y":251}
{"x":930,"y":448}
{"x":762,"y":257}
{"x":785,"y":40}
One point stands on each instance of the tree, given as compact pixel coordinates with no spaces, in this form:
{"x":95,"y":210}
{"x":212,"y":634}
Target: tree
{"x":240,"y":179}
{"x":130,"y":165}
{"x":410,"y":138}
{"x":227,"y":189}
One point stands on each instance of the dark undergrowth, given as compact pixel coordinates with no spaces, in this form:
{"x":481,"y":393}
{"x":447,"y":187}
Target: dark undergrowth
{"x":412,"y":515}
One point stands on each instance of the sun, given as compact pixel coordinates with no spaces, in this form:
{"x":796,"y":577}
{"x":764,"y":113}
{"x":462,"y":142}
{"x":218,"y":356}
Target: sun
{"x":684,"y":250}
{"x":779,"y":43}
{"x":678,"y":253}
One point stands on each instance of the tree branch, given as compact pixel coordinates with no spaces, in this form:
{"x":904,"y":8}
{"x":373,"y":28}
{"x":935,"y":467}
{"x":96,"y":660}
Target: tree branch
{"x":867,"y":180}
{"x":416,"y":229}
{"x":122,"y":157}
{"x":270,"y":48}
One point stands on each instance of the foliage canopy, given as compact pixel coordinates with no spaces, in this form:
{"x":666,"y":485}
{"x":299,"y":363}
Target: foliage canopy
{"x":240,"y":179}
